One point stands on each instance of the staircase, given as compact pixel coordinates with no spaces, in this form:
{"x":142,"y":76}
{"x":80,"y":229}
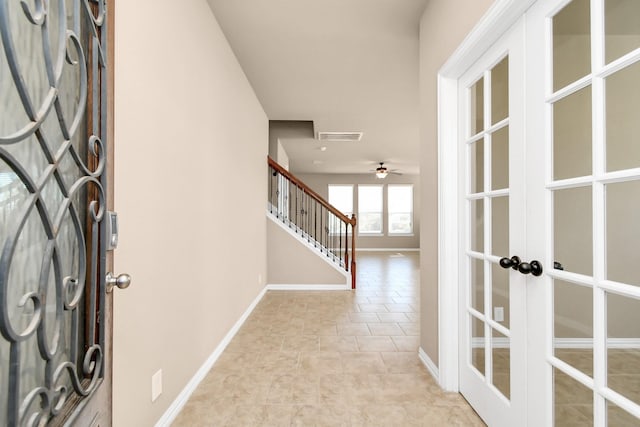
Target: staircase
{"x":306,"y":213}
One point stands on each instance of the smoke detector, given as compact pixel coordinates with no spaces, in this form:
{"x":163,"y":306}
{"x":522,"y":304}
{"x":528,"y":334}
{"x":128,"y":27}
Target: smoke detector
{"x":340,"y":136}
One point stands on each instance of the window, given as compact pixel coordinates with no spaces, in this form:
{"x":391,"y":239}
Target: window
{"x":400,"y":208}
{"x":370,"y":209}
{"x":341,"y":196}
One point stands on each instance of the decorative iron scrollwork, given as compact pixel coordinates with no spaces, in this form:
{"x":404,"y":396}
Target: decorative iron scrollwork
{"x":52,"y":203}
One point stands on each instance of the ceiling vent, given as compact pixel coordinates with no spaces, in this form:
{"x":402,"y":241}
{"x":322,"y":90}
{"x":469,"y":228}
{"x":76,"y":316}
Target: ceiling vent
{"x":340,"y":136}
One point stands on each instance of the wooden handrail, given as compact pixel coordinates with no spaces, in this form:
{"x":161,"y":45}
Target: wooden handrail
{"x":309,"y":191}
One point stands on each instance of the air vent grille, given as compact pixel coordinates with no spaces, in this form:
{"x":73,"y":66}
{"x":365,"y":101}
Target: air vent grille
{"x":340,"y":136}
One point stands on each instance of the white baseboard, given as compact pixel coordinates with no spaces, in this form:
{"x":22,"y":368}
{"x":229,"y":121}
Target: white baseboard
{"x":387,"y":250}
{"x":172,"y":412}
{"x":310,"y":287}
{"x":428,"y":363}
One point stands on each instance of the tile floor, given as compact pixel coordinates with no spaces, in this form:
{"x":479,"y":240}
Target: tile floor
{"x":331,"y":359}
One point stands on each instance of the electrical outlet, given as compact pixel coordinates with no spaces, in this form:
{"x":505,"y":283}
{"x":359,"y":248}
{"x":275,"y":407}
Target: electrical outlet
{"x":498,"y":314}
{"x":259,"y":279}
{"x":156,"y":385}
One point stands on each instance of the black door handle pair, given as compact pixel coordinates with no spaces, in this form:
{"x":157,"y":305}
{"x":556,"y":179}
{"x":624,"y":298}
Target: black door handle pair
{"x":534,"y":267}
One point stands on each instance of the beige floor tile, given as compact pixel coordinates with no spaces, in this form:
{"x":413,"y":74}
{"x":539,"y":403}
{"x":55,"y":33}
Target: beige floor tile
{"x":393,"y":317}
{"x":338,"y":343}
{"x":363,"y":317}
{"x":410,"y":328}
{"x":376,"y":344}
{"x":363,"y":363}
{"x":331,"y":359}
{"x":385,"y":329}
{"x":353,"y":329}
{"x":301,"y":343}
{"x":406,"y":343}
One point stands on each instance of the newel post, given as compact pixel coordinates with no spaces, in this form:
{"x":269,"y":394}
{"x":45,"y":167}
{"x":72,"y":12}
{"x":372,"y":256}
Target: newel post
{"x":353,"y":251}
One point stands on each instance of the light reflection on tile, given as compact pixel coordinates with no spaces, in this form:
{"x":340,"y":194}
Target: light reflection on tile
{"x":332,"y":358}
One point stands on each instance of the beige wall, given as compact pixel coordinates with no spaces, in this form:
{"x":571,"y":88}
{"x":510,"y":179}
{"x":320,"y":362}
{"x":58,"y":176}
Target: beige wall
{"x":186,"y":122}
{"x":291,"y":262}
{"x":443,"y":26}
{"x":320,"y":184}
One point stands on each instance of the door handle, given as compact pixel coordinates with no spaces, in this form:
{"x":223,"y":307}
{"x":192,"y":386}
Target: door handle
{"x":534,"y":267}
{"x":512,"y":262}
{"x":122,"y":281}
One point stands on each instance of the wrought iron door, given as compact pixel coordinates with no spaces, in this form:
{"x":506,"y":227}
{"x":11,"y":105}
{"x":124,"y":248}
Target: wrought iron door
{"x":52,"y":204}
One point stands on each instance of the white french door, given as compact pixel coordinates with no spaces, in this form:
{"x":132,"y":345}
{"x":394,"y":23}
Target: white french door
{"x":492,"y":309}
{"x":569,"y":344}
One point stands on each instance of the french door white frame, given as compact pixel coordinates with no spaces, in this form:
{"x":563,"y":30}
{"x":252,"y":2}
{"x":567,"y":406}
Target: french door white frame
{"x":502,"y":15}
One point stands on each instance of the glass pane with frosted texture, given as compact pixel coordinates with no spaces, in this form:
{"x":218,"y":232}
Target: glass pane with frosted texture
{"x":476,"y":295}
{"x":573,"y":325}
{"x":500,"y":294}
{"x":500,"y":91}
{"x":476,"y":216}
{"x":618,"y":417}
{"x":623,"y":360}
{"x":571,"y":43}
{"x":572,"y":135}
{"x":500,"y":159}
{"x":622,"y":27}
{"x":573,"y":233}
{"x":476,"y":165}
{"x":501,"y":355}
{"x":623,"y":232}
{"x":573,"y":402}
{"x":623,"y":124}
{"x":477,"y":344}
{"x":476,"y":105}
{"x":500,"y":226}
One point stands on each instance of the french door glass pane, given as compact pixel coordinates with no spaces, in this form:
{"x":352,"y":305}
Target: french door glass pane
{"x":500,"y":226}
{"x":572,"y":135}
{"x":501,"y":356}
{"x":618,"y":417}
{"x":573,"y":240}
{"x":476,"y":174}
{"x":622,"y":27}
{"x":500,"y":91}
{"x":476,"y":124}
{"x":477,"y":284}
{"x":623,"y":232}
{"x":476,"y":214}
{"x":500,"y":159}
{"x":573,"y":325}
{"x":477,"y":344}
{"x":623,"y":126}
{"x":500,"y":293}
{"x":573,"y":402}
{"x":571,"y":43}
{"x":623,"y":353}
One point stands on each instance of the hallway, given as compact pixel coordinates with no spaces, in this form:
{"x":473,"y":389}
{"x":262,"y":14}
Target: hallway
{"x":331,"y":359}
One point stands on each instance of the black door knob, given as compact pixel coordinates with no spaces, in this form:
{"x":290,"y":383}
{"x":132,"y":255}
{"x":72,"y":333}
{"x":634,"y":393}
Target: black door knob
{"x":534,"y":267}
{"x":512,"y":262}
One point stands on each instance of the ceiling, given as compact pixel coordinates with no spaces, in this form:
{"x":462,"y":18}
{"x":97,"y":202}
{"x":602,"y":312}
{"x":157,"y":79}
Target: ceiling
{"x":345,"y":65}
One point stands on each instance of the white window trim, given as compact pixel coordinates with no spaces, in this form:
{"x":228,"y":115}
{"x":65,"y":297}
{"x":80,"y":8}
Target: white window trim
{"x":413,"y":216}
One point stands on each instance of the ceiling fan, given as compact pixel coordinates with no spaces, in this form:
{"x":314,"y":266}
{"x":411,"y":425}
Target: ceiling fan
{"x":382,"y":172}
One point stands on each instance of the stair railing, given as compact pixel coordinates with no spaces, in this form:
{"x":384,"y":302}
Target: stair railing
{"x":313,"y":218}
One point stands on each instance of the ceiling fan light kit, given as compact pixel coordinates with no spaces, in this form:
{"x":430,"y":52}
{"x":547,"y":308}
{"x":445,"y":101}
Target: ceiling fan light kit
{"x":381,"y":172}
